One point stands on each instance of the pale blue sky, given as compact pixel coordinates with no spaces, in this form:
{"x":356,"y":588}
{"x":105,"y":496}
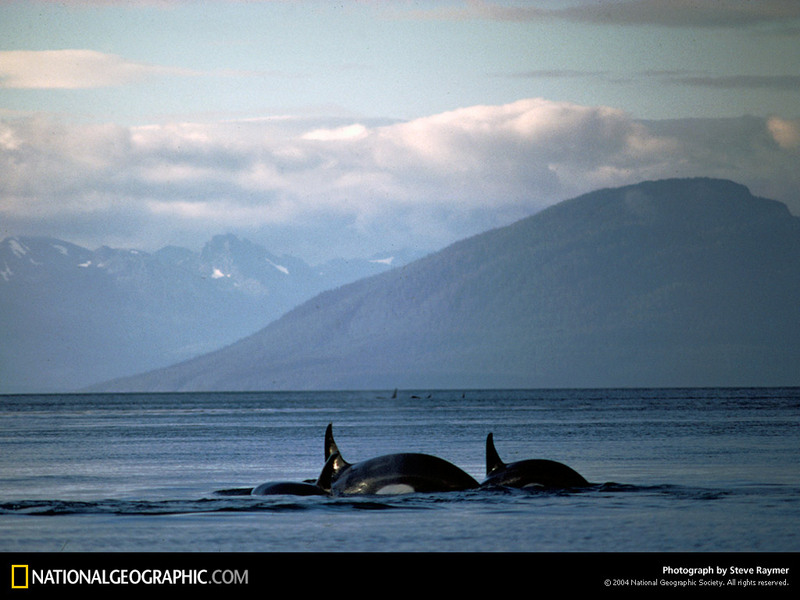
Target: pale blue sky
{"x":105,"y":90}
{"x":398,"y":59}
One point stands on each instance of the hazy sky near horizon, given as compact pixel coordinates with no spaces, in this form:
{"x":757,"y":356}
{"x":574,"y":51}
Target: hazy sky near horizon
{"x":351,"y":128}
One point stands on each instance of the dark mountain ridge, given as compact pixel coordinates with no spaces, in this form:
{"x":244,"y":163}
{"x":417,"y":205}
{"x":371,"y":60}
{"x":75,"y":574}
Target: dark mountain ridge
{"x":690,"y":282}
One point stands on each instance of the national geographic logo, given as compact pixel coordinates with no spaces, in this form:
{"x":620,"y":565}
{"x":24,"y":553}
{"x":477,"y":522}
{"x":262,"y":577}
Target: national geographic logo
{"x":23,"y":577}
{"x":19,"y":577}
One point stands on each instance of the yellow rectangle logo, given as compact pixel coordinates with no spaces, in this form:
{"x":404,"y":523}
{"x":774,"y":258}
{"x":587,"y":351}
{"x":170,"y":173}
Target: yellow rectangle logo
{"x":19,"y":577}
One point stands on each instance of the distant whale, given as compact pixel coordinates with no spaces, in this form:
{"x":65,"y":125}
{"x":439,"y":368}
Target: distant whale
{"x":390,"y":474}
{"x":528,"y":473}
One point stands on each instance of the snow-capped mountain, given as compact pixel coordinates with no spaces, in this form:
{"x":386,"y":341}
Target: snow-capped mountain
{"x":671,"y":283}
{"x":70,"y":316}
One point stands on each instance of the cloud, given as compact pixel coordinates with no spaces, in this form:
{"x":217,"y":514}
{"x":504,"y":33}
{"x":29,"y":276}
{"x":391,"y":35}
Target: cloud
{"x":73,"y":69}
{"x":684,"y":13}
{"x":553,"y":74}
{"x":789,"y":83}
{"x":347,"y":132}
{"x":661,"y":13}
{"x":338,"y":187}
{"x":786,"y":133}
{"x":778,"y":83}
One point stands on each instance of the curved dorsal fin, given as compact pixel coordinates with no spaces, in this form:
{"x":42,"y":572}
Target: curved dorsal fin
{"x":330,"y":444}
{"x":493,"y":461}
{"x":333,"y":466}
{"x":326,"y":475}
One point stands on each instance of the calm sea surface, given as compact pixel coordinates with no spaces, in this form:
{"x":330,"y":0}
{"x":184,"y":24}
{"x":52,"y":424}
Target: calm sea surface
{"x":695,"y":470}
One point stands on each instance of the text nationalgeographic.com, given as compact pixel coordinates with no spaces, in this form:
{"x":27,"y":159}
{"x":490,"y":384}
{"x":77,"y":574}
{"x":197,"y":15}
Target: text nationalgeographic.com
{"x":23,"y":577}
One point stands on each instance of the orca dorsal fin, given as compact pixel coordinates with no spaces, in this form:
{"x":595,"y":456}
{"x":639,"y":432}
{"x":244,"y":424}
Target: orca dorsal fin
{"x":330,"y":444}
{"x":333,"y":466}
{"x":493,"y":461}
{"x":326,"y":475}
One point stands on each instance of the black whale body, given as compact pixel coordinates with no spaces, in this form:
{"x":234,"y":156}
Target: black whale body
{"x":288,"y":488}
{"x":541,"y":473}
{"x":415,"y":472}
{"x":307,"y":487}
{"x":276,"y":488}
{"x":390,"y":474}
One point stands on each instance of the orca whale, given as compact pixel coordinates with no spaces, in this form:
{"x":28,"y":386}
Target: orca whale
{"x":528,"y":473}
{"x":274,"y":488}
{"x":390,"y":474}
{"x":307,"y":487}
{"x":234,"y":492}
{"x":288,"y":488}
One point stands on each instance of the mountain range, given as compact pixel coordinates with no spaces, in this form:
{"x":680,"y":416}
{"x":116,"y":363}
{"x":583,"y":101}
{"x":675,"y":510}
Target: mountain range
{"x":71,"y":317}
{"x":682,"y":282}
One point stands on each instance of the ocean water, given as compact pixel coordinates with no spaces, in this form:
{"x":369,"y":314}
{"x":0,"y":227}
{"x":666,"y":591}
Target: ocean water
{"x":677,"y":470}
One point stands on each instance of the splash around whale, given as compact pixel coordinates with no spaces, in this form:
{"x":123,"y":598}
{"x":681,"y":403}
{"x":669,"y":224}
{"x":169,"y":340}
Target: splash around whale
{"x":400,"y":473}
{"x":532,"y":473}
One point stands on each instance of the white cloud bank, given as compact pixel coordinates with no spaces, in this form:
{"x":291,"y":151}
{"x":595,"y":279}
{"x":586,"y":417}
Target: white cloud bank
{"x":73,"y":69}
{"x":359,"y":187}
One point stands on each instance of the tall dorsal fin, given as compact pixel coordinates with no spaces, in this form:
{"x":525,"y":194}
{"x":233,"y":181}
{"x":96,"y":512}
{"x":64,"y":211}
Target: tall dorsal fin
{"x":493,"y":461}
{"x":330,"y":444}
{"x":333,"y":466}
{"x":326,"y":475}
